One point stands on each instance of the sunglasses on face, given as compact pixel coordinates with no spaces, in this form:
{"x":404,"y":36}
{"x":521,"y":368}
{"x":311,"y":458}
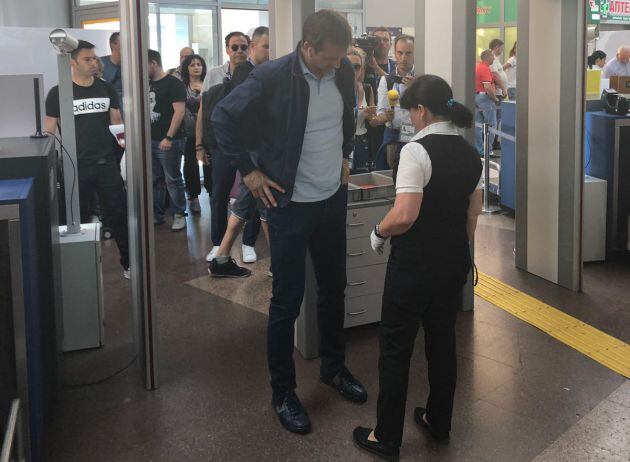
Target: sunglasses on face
{"x":357,"y":66}
{"x":235,"y":48}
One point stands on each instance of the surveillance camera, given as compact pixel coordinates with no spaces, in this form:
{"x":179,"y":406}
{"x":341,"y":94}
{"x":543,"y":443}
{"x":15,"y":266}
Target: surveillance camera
{"x":64,"y":42}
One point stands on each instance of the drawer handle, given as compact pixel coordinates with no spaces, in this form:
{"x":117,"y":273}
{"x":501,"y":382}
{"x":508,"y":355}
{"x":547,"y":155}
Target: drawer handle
{"x":357,"y":313}
{"x":354,"y":225}
{"x":358,"y":254}
{"x":354,"y":284}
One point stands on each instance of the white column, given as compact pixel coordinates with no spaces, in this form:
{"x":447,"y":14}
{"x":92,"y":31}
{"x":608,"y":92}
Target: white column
{"x":285,"y":24}
{"x":549,"y":139}
{"x":445,"y":46}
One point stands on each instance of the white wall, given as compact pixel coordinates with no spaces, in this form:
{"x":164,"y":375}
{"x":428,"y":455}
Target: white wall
{"x":393,"y":13}
{"x":610,"y":41}
{"x":35,"y":13}
{"x":41,"y":58}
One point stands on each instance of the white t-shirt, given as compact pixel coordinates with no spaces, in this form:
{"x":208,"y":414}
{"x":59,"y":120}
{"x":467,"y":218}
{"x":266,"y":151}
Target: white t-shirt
{"x":511,"y":73}
{"x":414,"y":168}
{"x":498,"y":68}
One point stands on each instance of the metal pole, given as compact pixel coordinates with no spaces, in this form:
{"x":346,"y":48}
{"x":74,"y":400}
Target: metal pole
{"x":134,"y":39}
{"x":69,"y":145}
{"x":487,"y":208}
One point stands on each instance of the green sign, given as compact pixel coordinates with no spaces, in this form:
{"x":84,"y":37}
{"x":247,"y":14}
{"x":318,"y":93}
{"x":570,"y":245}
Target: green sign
{"x":594,"y":11}
{"x":511,"y":10}
{"x":489,"y":11}
{"x":616,"y":11}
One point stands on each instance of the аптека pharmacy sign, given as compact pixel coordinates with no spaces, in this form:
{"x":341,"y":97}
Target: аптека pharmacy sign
{"x":615,"y":10}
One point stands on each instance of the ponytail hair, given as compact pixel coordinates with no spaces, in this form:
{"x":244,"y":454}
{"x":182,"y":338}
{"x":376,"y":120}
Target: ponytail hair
{"x":436,"y":95}
{"x":599,"y":54}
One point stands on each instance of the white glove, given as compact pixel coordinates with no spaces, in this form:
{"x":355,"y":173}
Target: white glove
{"x":378,"y":243}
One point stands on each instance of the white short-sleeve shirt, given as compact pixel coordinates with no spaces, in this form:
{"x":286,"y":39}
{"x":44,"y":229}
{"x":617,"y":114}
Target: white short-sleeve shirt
{"x":414,"y":168}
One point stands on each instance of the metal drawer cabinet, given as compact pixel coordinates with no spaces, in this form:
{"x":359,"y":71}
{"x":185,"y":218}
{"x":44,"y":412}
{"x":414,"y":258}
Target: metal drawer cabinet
{"x":361,"y":220}
{"x":365,"y":309}
{"x":359,"y":253}
{"x":366,"y":280}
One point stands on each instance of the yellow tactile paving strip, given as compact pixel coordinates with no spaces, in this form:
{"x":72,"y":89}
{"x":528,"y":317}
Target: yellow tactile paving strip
{"x":603,"y":348}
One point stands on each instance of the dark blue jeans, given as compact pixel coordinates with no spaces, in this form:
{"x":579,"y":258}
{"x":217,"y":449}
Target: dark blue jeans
{"x":223,"y":175}
{"x":320,"y":228}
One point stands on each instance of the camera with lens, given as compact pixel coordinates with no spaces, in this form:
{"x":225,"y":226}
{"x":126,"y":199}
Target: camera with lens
{"x":367,"y":43}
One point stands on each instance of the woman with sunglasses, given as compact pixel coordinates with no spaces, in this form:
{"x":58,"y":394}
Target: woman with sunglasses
{"x":193,"y":72}
{"x":364,"y":111}
{"x":433,"y":221}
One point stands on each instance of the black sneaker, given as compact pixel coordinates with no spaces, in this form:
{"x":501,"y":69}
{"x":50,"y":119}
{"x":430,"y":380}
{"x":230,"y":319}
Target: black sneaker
{"x":227,"y":270}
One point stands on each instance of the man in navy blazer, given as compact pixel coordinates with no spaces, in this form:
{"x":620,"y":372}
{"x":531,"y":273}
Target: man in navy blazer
{"x":304,"y":111}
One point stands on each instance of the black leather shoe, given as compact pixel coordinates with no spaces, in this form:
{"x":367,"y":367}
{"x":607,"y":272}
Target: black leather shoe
{"x":360,"y":437}
{"x":291,"y":414}
{"x":349,"y":387}
{"x":440,"y":437}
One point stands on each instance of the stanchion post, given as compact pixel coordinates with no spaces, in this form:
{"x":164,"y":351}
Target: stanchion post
{"x":487,"y":208}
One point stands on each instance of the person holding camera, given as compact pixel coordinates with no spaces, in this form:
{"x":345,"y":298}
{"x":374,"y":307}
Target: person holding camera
{"x":377,"y":62}
{"x":396,"y":119}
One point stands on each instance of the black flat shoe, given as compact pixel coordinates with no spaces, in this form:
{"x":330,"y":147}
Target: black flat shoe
{"x":291,"y":414}
{"x":360,"y":438}
{"x":418,"y":416}
{"x":349,"y":387}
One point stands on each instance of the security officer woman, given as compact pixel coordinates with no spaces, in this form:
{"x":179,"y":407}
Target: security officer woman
{"x":438,"y":199}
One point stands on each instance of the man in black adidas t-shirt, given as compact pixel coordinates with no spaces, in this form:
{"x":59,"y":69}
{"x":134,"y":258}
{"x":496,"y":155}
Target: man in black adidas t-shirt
{"x":95,"y":108}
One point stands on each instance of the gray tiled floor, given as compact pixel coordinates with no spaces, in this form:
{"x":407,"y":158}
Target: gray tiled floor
{"x":518,"y":391}
{"x":602,"y":435}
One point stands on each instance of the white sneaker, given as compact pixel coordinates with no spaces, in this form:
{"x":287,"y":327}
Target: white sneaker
{"x":249,"y":254}
{"x":127,"y":273}
{"x":179,"y":222}
{"x":213,"y":254}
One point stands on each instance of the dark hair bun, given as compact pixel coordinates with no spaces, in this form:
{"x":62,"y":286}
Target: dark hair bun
{"x":436,"y":95}
{"x":461,"y":115}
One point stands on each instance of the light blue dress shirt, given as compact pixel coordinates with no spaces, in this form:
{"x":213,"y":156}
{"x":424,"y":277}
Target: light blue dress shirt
{"x":319,"y":170}
{"x":614,"y":68}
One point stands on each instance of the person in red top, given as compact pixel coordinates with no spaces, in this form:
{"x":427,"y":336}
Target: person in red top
{"x":485,"y":97}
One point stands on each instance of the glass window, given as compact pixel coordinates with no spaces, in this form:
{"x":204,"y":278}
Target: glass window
{"x":356,"y":22}
{"x":484,"y":36}
{"x":340,"y":4}
{"x":510,"y":40}
{"x":101,"y":24}
{"x":240,"y":20}
{"x":181,"y":27}
{"x":93,"y":2}
{"x":251,"y":2}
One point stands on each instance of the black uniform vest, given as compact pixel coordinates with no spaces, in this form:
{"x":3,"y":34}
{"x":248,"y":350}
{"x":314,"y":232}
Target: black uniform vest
{"x":439,"y":234}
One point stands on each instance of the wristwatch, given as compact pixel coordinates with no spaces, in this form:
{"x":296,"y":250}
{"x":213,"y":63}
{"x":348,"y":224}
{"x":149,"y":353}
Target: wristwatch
{"x":170,"y":138}
{"x":377,"y":232}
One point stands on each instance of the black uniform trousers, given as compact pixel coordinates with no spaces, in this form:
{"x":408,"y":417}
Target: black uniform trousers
{"x":104,"y":179}
{"x":427,"y":292}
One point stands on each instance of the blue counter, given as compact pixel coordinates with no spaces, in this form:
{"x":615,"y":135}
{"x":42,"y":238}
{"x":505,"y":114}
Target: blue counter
{"x":22,"y":317}
{"x":507,"y":182}
{"x":606,"y":156}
